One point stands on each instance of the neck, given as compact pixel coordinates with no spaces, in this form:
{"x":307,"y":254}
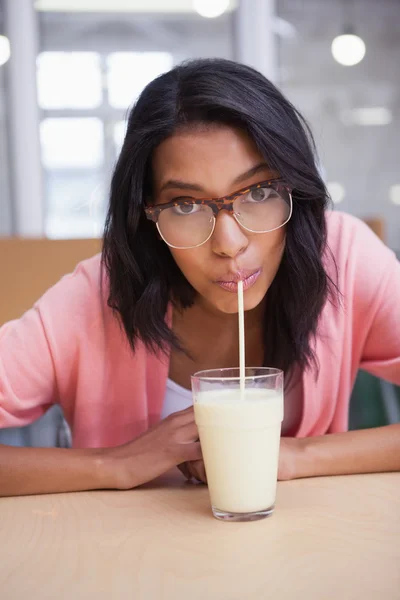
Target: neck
{"x":204,"y":313}
{"x":204,"y":332}
{"x":211,"y":340}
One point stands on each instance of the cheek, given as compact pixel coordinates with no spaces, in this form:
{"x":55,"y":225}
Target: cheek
{"x":270,"y":246}
{"x":190,"y":263}
{"x":265,"y":249}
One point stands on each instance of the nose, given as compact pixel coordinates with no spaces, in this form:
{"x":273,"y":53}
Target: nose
{"x":228,"y":238}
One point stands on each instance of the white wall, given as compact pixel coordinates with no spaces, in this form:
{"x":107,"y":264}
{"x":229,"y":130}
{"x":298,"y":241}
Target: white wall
{"x":5,"y":205}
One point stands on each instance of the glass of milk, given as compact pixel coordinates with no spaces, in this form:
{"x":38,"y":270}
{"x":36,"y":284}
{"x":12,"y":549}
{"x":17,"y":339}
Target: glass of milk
{"x":239,"y":433}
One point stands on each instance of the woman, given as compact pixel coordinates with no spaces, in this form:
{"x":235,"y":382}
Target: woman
{"x":115,"y":343}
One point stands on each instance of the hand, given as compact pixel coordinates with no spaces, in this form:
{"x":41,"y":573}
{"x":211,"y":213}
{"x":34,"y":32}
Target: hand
{"x":172,"y":442}
{"x":194,"y":469}
{"x":289,"y":458}
{"x":289,"y":454}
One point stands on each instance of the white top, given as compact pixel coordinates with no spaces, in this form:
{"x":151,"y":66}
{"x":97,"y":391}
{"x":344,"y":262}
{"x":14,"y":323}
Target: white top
{"x":178,"y":398}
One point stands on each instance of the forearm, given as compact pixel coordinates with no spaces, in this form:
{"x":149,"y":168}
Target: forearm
{"x":50,"y":470}
{"x":363,"y":451}
{"x":26,"y":471}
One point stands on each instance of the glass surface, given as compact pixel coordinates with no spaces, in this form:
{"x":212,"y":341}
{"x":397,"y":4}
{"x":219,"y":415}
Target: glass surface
{"x":240,"y":438}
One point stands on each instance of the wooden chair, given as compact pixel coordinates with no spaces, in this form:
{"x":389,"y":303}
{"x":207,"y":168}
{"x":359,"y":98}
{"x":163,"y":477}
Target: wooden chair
{"x":378,"y":226}
{"x":28,"y":267}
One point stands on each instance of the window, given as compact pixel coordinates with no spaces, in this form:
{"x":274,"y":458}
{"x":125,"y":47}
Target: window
{"x":72,"y":143}
{"x":69,"y":80}
{"x":129,"y":72}
{"x":75,"y":204}
{"x":119,"y":135}
{"x":73,"y":158}
{"x":78,"y":150}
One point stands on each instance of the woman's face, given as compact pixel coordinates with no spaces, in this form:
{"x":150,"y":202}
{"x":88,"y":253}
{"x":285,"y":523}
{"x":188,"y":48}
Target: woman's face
{"x":212,"y":162}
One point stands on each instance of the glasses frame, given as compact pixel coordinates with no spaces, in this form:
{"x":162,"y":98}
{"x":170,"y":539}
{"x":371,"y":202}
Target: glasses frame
{"x":217,"y":204}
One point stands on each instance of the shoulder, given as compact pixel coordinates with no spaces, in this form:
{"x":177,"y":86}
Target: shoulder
{"x":86,"y":272}
{"x":78,"y":294}
{"x":344,"y":230}
{"x":358,"y":261}
{"x":85,"y":277}
{"x":355,"y":247}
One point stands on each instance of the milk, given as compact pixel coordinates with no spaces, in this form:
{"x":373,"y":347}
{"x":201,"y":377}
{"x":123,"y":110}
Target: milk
{"x":240,"y":445}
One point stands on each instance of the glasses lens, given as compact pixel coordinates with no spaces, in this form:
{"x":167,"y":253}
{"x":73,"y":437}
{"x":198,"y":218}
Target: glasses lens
{"x":186,"y":226}
{"x":263,"y":209}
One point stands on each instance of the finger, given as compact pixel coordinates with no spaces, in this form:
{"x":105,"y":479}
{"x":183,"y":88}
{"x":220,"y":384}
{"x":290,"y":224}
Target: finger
{"x":191,"y":452}
{"x":184,"y":468}
{"x":186,"y":411}
{"x":183,"y":417}
{"x":189,"y":432}
{"x":198,"y":471}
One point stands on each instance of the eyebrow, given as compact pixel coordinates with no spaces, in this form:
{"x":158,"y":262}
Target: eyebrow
{"x":184,"y":185}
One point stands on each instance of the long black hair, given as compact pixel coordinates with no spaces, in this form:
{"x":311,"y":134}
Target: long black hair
{"x":143,"y":276}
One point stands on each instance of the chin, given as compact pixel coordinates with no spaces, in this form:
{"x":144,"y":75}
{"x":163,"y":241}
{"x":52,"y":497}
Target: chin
{"x":229,"y":303}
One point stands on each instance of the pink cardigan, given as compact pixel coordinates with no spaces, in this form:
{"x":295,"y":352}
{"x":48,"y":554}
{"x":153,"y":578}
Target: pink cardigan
{"x":69,"y":349}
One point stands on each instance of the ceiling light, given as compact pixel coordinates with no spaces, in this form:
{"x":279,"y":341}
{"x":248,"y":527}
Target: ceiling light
{"x":394,"y":194}
{"x":348,"y":49}
{"x":210,"y":8}
{"x":5,"y":51}
{"x":336,"y":191}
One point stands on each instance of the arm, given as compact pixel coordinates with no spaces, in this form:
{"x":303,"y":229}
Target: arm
{"x":375,"y":274}
{"x":47,"y":470}
{"x":368,"y":450}
{"x":51,"y":470}
{"x":365,"y":451}
{"x":36,"y":352}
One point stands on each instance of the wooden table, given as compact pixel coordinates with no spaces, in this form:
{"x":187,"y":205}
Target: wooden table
{"x":330,"y":538}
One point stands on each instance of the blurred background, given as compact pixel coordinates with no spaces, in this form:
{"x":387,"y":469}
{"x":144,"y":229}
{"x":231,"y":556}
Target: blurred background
{"x":77,"y":65}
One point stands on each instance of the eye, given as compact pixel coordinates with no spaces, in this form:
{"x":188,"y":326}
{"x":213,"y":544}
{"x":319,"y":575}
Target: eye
{"x":187,"y":209}
{"x":259,"y":194}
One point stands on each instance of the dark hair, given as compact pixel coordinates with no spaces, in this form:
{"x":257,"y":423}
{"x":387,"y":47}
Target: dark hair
{"x":143,"y":275}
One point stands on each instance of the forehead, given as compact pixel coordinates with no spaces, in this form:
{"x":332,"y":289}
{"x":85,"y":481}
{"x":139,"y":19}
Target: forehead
{"x":209,"y":156}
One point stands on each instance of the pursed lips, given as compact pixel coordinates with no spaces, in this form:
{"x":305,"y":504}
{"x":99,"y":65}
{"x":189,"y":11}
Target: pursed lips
{"x":242,"y":274}
{"x":230,"y":281}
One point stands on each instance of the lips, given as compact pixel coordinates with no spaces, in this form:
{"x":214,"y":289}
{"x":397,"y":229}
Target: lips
{"x":230,"y":281}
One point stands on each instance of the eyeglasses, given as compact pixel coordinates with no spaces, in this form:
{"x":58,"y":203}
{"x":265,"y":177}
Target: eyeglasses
{"x":190,"y":222}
